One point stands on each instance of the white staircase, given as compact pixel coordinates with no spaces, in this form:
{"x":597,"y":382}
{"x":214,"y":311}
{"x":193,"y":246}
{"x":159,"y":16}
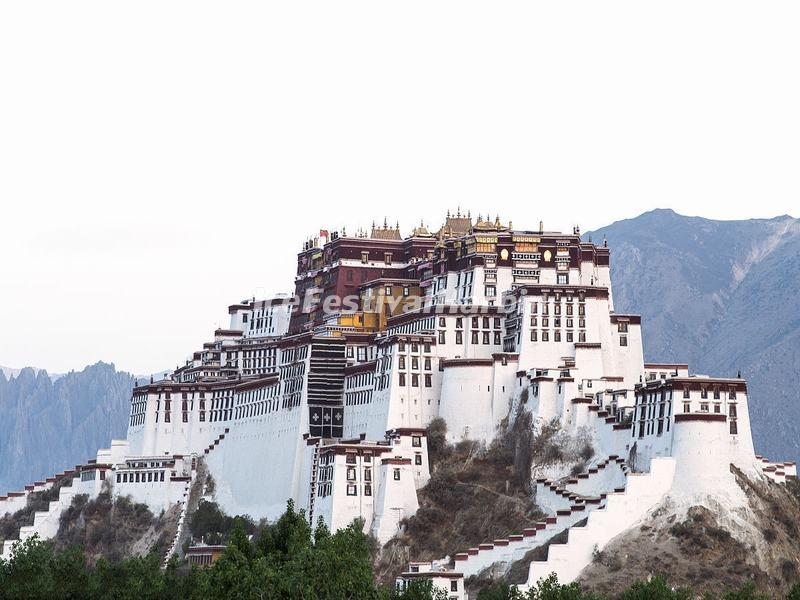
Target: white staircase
{"x":569,"y":501}
{"x":175,"y":546}
{"x":45,"y":523}
{"x":622,"y":510}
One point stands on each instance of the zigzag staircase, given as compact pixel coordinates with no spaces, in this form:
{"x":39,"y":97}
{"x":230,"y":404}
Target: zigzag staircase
{"x":569,"y":502}
{"x":45,"y":523}
{"x":622,"y":510}
{"x":189,"y":502}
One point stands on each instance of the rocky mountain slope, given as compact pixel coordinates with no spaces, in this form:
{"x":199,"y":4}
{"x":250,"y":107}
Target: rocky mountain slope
{"x":724,"y":296}
{"x":47,"y":426}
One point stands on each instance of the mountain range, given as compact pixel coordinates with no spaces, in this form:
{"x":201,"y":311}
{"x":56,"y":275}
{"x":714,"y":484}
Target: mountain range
{"x":49,"y":425}
{"x":723,"y":296}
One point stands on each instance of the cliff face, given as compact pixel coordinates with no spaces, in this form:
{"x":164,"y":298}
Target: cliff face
{"x":47,"y":426}
{"x":724,"y":296}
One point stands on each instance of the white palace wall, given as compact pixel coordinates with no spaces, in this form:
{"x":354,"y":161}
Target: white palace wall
{"x":256,"y":469}
{"x":467,"y":399}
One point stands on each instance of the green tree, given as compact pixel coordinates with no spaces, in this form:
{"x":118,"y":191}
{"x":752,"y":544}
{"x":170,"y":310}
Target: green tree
{"x":28,"y":573}
{"x":747,"y":592}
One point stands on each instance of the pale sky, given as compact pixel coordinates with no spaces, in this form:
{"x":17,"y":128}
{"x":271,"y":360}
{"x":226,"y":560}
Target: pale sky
{"x":162,"y":160}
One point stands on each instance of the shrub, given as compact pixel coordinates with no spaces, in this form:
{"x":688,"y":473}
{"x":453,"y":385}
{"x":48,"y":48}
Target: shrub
{"x":437,"y":440}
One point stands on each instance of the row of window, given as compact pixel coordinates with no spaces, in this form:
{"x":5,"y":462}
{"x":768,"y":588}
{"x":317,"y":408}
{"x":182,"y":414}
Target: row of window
{"x":544,"y":336}
{"x":415,"y":380}
{"x":357,"y":398}
{"x":415,"y":347}
{"x":476,"y":322}
{"x":140,"y":477}
{"x":401,"y":363}
{"x":359,"y":380}
{"x":484,"y":338}
{"x":557,"y":322}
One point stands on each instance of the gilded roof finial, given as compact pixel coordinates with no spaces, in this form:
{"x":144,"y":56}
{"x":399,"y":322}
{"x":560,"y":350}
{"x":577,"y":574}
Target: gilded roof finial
{"x":385,"y":223}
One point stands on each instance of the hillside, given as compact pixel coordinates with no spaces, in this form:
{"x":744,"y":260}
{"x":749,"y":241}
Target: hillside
{"x":710,"y":547}
{"x":47,"y":426}
{"x":724,"y":296}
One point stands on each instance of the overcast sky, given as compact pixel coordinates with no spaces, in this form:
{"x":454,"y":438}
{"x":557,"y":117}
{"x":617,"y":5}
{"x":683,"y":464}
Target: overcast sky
{"x":161,"y":160}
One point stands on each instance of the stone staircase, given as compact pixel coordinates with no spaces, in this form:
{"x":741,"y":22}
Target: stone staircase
{"x":568,"y":506}
{"x":779,"y":472}
{"x":189,"y":501}
{"x":606,"y":476}
{"x":45,"y":523}
{"x":622,"y":509}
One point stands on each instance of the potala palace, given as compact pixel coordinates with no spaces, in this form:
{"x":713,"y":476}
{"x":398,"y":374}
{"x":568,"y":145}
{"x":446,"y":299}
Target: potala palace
{"x":323,"y":396}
